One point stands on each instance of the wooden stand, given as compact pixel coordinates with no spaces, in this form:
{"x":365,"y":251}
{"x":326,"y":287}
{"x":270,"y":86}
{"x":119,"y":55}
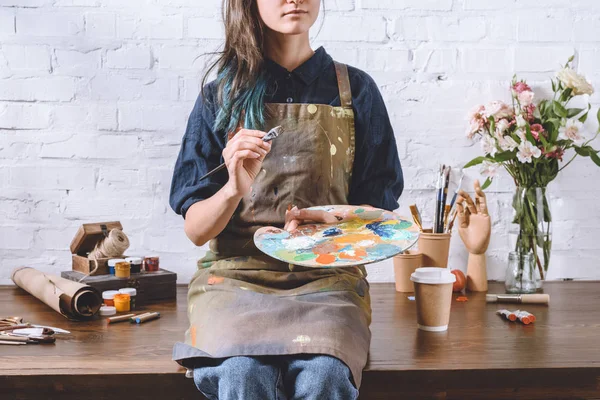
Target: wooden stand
{"x":151,"y":286}
{"x":477,"y":273}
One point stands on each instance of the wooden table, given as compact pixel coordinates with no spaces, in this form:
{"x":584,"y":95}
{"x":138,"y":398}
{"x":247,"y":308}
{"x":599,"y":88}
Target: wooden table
{"x":480,"y":357}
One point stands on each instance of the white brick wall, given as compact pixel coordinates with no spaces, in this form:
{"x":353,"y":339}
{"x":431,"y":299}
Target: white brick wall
{"x":94,"y":97}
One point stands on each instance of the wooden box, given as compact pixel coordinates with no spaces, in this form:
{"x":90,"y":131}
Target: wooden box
{"x":83,"y":243}
{"x":151,"y":286}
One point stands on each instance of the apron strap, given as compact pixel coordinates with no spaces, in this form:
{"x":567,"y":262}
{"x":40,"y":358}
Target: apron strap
{"x":341,"y":70}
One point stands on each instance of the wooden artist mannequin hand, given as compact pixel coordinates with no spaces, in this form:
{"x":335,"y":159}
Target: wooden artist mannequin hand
{"x":296,"y":217}
{"x":474,"y":228}
{"x":244,"y":155}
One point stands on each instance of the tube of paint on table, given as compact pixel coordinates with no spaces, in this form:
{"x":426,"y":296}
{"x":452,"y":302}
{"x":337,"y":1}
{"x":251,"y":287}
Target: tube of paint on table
{"x":120,"y":318}
{"x":145,"y":318}
{"x":525,"y":317}
{"x":506,"y":314}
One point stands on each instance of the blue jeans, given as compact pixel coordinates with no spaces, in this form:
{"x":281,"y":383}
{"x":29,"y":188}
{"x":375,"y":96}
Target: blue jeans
{"x":303,"y":376}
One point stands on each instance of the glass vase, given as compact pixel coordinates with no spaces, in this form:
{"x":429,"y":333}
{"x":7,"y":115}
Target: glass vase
{"x":531,"y":231}
{"x":520,"y":274}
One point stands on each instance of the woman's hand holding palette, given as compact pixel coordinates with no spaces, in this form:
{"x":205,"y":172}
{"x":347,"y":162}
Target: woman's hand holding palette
{"x":363,"y":235}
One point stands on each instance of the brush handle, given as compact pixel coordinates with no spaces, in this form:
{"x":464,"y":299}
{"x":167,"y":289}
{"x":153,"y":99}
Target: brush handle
{"x":267,"y":138}
{"x":214,"y":171}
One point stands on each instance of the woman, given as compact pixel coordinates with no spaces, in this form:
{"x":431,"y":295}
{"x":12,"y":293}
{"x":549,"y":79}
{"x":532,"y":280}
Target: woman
{"x":260,"y":328}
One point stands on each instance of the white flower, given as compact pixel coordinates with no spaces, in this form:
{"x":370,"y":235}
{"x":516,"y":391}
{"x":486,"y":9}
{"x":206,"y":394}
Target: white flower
{"x":488,"y":145}
{"x":573,"y":80}
{"x":521,"y":121}
{"x":526,"y":151}
{"x":497,"y":109}
{"x":526,"y":98}
{"x":507,"y":143}
{"x":521,"y":134}
{"x":573,"y":130}
{"x":489,"y":169}
{"x":502,"y":126}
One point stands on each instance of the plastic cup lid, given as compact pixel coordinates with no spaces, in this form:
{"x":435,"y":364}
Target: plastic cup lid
{"x":433,"y":275}
{"x":108,"y":310}
{"x":134,"y":260}
{"x":109,"y":294}
{"x":113,"y":261}
{"x":129,"y":291}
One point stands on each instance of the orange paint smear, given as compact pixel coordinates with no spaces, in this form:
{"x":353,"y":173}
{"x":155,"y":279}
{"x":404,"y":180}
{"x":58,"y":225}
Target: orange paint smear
{"x":355,"y":238}
{"x":326,"y":248}
{"x":213,"y":280}
{"x":193,"y":335}
{"x":325,"y":259}
{"x":358,"y":255}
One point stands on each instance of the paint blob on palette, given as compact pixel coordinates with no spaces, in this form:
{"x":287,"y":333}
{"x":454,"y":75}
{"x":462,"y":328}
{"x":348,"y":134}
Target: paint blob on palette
{"x":363,"y":235}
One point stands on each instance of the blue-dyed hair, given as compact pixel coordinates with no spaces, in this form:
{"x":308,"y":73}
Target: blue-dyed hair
{"x":241,"y":76}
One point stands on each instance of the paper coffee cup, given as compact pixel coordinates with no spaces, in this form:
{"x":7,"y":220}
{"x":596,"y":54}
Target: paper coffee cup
{"x":433,"y":295}
{"x":435,"y":248}
{"x":404,"y":266}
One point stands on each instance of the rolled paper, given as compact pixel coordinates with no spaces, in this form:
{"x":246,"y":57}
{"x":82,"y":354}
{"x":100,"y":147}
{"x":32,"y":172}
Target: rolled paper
{"x":71,"y":299}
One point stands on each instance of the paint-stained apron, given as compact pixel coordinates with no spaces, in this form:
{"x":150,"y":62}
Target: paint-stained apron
{"x":242,"y":302}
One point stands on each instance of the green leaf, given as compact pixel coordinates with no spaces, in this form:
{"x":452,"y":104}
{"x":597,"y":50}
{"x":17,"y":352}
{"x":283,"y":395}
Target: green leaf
{"x":570,"y":59}
{"x":595,"y":157}
{"x":583,"y":118}
{"x":528,"y":134}
{"x":492,"y":125}
{"x":486,"y":184}
{"x":475,"y":161}
{"x":571,"y":112}
{"x":583,"y":151}
{"x":505,"y":156}
{"x":566,"y":94}
{"x":553,"y":85}
{"x":598,"y":115}
{"x":559,"y":109}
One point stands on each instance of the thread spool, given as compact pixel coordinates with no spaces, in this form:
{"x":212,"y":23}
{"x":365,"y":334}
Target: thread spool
{"x":114,"y":245}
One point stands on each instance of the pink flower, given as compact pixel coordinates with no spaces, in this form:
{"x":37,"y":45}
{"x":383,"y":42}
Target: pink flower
{"x":476,"y":121}
{"x":498,"y":109}
{"x":529,"y":111}
{"x":525,"y":98}
{"x":521,"y":87}
{"x":537,"y":130}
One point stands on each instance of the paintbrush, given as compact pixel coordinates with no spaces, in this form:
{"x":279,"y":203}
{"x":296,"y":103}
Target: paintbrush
{"x":453,"y":201}
{"x":272,"y":134}
{"x":445,"y":184}
{"x":446,"y":216}
{"x":414,"y":210}
{"x":438,"y":187}
{"x":451,"y":219}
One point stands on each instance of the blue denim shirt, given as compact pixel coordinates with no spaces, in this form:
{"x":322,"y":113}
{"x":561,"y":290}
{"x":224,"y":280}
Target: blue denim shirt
{"x":377,"y":176}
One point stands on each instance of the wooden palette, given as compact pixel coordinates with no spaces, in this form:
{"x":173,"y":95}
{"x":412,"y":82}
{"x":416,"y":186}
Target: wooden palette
{"x":363,"y":235}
